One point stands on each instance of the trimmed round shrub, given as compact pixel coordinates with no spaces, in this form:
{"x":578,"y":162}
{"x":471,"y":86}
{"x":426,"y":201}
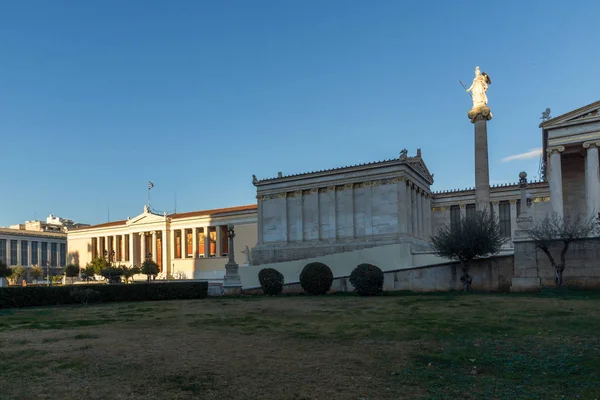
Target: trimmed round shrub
{"x":271,"y":281}
{"x":367,"y":279}
{"x":316,"y":278}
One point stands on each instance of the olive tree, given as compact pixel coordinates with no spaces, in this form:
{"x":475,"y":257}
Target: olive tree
{"x":555,"y":229}
{"x":472,"y":237}
{"x":150,"y":268}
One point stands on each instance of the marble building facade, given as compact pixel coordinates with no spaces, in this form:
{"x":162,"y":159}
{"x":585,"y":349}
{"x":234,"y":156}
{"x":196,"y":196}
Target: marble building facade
{"x":189,"y":245}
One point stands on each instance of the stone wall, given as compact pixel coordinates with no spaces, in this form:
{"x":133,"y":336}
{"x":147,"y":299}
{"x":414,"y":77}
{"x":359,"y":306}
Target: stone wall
{"x":533,"y":269}
{"x":573,"y":184}
{"x":490,"y":274}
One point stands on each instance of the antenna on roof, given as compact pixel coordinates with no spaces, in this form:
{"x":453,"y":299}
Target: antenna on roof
{"x":108,"y":213}
{"x":175,"y":202}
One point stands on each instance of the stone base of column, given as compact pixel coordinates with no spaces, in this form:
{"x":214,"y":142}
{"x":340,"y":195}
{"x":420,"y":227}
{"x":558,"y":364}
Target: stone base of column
{"x":525,"y":284}
{"x":232,"y":282}
{"x":523,"y":222}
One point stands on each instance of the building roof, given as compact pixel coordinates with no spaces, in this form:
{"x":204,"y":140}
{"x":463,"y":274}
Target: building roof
{"x":495,"y":188}
{"x":201,"y":213}
{"x":23,"y":232}
{"x":214,"y":212}
{"x":551,"y":121}
{"x":416,"y":163}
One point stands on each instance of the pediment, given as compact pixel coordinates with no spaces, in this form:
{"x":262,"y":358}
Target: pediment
{"x":585,"y":114}
{"x":146,"y":217}
{"x":419,"y":166}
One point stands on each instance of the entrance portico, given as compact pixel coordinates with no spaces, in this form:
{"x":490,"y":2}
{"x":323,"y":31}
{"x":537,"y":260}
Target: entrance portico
{"x":572,"y":161}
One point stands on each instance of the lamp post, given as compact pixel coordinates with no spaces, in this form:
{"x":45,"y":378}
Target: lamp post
{"x":47,"y":273}
{"x":232,"y":283}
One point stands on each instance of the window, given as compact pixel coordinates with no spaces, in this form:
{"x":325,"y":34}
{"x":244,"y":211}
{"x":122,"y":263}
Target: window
{"x":3,"y":250}
{"x":24,"y":260}
{"x":53,"y":252}
{"x":44,"y":254}
{"x":470,"y":210}
{"x":454,"y":216}
{"x":34,"y":253}
{"x":201,"y":247}
{"x":13,"y":252}
{"x":178,"y":244}
{"x":212,"y":237}
{"x":63,"y":254}
{"x":224,"y":241}
{"x":189,"y":242}
{"x":504,"y":214}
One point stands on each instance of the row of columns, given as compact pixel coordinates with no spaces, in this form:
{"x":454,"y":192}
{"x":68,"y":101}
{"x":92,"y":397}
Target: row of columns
{"x":592,"y":178}
{"x":417,"y":216}
{"x":29,"y":261}
{"x":137,"y":250}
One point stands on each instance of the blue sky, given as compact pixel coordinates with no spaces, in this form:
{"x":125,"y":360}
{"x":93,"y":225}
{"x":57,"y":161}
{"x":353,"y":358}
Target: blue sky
{"x":98,"y":97}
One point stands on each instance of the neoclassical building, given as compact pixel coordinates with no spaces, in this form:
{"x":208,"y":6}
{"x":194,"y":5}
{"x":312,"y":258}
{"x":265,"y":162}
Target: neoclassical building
{"x":381,"y":213}
{"x":30,"y":248}
{"x":190,"y":245}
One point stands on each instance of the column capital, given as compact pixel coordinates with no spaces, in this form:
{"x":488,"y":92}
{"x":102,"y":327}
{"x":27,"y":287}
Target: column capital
{"x":495,"y":202}
{"x":552,"y":149}
{"x":512,"y":201}
{"x":462,"y":205}
{"x":588,"y":144}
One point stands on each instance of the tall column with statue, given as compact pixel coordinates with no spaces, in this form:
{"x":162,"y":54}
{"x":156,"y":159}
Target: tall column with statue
{"x":479,"y":115}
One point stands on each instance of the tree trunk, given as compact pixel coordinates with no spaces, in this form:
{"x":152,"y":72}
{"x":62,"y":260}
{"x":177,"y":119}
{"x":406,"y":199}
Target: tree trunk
{"x":466,"y":279}
{"x":558,"y":276}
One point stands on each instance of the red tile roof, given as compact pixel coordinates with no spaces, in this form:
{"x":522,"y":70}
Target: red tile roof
{"x":214,"y":212}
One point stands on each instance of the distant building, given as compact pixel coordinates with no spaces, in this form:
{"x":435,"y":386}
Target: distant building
{"x":29,"y":248}
{"x":52,"y":224}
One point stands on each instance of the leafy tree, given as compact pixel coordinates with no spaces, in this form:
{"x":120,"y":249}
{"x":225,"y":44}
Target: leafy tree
{"x":128,"y":273}
{"x":37,"y":272}
{"x":97,"y":265}
{"x":71,"y":271}
{"x":16,"y":273}
{"x":556,"y":229}
{"x":150,"y":268}
{"x":112,"y":274}
{"x":88,"y":272}
{"x":473,"y":237}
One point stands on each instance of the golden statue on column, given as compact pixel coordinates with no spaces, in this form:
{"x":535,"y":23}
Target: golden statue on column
{"x":478,"y":91}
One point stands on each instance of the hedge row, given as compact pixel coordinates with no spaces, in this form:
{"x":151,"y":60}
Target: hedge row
{"x":31,"y":296}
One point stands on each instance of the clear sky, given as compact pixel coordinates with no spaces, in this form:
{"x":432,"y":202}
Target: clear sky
{"x":98,"y":97}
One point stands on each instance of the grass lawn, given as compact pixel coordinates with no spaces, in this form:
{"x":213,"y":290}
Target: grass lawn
{"x":435,"y":346}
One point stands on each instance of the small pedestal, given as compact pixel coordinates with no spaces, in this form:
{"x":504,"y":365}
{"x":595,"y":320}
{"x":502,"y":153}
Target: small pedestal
{"x":522,"y":223}
{"x":232,"y":283}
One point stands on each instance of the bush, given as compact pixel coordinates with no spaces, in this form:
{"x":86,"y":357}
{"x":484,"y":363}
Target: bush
{"x":316,"y":278}
{"x":271,"y":281}
{"x":367,"y":279}
{"x":33,"y":296}
{"x":112,"y":274}
{"x":86,"y":296}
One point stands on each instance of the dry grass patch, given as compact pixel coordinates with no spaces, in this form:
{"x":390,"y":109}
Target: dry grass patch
{"x":298,"y":347}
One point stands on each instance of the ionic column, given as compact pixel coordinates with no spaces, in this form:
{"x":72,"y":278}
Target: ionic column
{"x":194,"y":242}
{"x":592,"y":178}
{"x":463,"y":210}
{"x":183,"y":244}
{"x":207,"y":241}
{"x":496,"y":210}
{"x":402,"y":203}
{"x":414,"y":212}
{"x":219,"y":249}
{"x":19,"y":244}
{"x":143,"y":252}
{"x":29,"y":246}
{"x":39,"y":253}
{"x":116,"y":248}
{"x":130,"y":256}
{"x":165,"y":260}
{"x":154,"y":253}
{"x":409,"y":208}
{"x":556,"y":191}
{"x":419,"y":197}
{"x":513,"y":217}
